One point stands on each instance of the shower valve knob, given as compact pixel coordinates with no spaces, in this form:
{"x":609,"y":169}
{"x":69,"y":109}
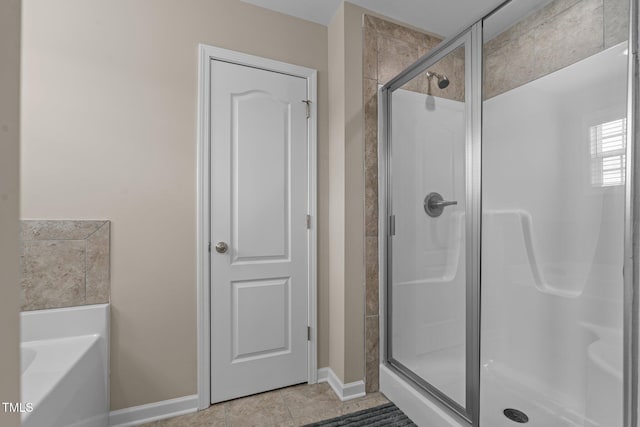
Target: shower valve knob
{"x":434,"y":204}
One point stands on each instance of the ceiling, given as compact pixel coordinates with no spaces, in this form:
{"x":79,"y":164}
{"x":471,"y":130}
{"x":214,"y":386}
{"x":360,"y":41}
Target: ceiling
{"x":442,"y":17}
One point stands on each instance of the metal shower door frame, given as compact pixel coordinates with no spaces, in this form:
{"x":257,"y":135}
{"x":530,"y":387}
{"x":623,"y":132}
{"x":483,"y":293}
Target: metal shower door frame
{"x":471,"y":39}
{"x":631,"y":267}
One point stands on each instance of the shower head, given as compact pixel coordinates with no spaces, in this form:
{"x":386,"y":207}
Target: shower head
{"x":443,"y":81}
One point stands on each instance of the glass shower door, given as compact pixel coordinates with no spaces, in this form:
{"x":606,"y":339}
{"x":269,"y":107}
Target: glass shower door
{"x":428,"y":246}
{"x":556,"y":328}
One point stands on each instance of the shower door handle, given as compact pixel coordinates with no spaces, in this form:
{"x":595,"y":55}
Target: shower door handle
{"x":443,"y":203}
{"x":434,"y":204}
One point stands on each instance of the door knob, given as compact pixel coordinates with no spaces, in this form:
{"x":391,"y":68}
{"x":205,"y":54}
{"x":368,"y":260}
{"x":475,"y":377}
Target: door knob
{"x":221,"y":247}
{"x":434,"y":204}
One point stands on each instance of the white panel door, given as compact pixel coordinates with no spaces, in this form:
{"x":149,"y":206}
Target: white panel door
{"x":259,"y":196}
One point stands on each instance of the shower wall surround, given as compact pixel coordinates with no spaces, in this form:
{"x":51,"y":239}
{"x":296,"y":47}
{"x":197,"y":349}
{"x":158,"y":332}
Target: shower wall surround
{"x":560,"y":34}
{"x":64,"y":263}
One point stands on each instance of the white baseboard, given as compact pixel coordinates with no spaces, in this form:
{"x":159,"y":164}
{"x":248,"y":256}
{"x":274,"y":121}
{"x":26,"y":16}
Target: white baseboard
{"x":153,"y":411}
{"x":184,"y":405}
{"x":344,"y":391}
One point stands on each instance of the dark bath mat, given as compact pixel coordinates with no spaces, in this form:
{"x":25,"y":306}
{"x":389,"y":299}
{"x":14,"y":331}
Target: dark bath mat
{"x":384,"y":415}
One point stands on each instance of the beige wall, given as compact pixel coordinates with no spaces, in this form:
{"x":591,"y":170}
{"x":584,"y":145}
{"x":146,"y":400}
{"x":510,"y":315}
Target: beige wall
{"x":354,"y":198}
{"x":109,"y":107}
{"x":9,"y":207}
{"x":336,"y":57}
{"x":346,"y":148}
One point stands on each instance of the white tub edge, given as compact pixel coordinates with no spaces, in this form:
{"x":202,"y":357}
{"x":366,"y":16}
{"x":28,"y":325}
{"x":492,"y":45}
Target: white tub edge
{"x":63,"y":323}
{"x":420,"y":409}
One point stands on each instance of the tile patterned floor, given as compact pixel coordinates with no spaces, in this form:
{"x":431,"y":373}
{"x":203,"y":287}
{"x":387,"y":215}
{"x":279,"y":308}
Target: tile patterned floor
{"x":288,"y":407}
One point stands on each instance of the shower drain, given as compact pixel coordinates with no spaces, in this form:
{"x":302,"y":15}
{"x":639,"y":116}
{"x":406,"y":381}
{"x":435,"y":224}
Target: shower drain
{"x":515,"y":415}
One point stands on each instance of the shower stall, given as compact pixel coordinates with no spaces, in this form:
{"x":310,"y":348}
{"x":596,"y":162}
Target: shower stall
{"x":508,"y":210}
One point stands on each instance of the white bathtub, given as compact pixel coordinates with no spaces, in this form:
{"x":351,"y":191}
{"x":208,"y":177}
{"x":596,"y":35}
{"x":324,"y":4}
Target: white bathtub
{"x":65,"y":366}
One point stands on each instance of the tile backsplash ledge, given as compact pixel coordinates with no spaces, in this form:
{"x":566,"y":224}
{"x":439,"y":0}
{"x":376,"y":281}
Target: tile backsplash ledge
{"x":64,"y":263}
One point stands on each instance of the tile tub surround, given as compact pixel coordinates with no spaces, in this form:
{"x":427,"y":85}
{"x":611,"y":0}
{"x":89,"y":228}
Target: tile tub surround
{"x":388,"y":49}
{"x":292,"y":406}
{"x":64,"y":263}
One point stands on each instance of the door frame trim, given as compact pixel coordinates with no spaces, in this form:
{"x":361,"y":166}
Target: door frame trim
{"x":206,"y":54}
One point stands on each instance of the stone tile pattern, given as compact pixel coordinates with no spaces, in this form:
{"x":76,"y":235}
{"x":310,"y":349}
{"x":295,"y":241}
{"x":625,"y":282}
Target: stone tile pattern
{"x":560,"y":34}
{"x":292,"y":406}
{"x":388,"y":49}
{"x":64,"y":263}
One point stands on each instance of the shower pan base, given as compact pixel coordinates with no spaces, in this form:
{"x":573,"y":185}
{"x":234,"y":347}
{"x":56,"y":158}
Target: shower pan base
{"x":422,"y":410}
{"x":497,"y":394}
